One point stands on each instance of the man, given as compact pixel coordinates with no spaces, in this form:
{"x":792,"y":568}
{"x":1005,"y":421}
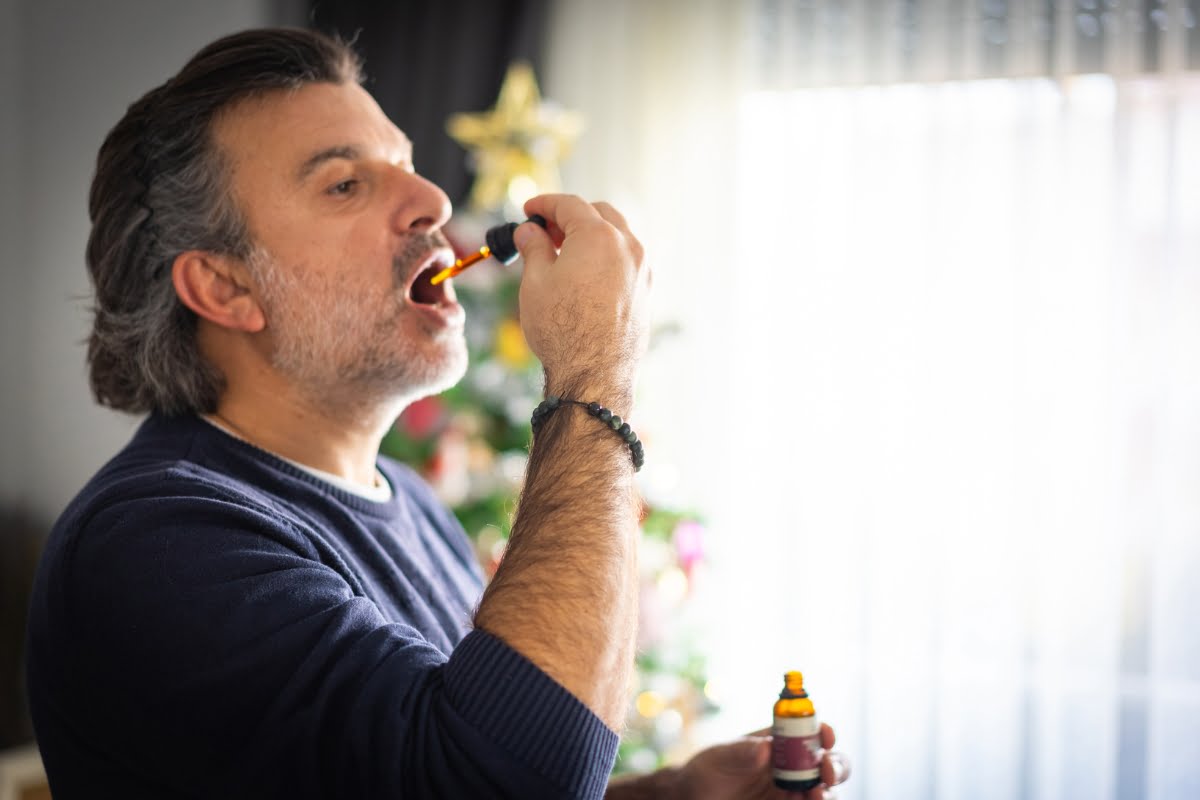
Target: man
{"x":247,"y":601}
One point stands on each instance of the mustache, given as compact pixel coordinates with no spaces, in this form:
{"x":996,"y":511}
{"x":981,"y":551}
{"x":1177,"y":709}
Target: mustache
{"x":416,"y":248}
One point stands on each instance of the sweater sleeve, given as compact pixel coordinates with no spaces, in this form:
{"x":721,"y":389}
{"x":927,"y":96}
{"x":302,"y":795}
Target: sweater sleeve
{"x":217,"y":648}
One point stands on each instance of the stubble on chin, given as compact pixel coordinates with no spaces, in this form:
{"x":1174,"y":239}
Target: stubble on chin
{"x":351,"y":351}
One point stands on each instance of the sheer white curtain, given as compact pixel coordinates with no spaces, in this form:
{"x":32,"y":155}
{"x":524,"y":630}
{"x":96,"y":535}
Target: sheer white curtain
{"x":938,"y":381}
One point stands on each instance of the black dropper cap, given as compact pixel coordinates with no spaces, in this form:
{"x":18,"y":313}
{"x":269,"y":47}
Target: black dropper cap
{"x":500,"y":239}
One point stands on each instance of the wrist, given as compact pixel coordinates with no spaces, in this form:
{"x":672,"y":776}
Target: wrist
{"x":603,"y":415}
{"x":612,"y":393}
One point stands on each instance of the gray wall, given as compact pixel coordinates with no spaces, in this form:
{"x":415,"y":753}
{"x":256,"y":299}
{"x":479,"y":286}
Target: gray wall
{"x":68,"y":69}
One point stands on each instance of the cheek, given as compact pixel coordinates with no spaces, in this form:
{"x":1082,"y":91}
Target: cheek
{"x":333,"y":245}
{"x":349,"y":278}
{"x":363,"y":270}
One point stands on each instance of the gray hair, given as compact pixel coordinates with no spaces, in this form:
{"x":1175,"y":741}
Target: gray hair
{"x":162,"y":188}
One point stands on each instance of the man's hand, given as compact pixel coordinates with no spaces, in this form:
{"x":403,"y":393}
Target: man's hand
{"x":742,"y":770}
{"x":739,"y":770}
{"x":584,"y":298}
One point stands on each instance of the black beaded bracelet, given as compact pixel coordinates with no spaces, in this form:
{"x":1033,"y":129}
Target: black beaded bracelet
{"x":620,"y":427}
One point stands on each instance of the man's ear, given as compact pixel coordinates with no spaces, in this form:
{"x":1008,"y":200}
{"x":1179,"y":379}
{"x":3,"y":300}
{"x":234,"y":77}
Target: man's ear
{"x":217,"y":288}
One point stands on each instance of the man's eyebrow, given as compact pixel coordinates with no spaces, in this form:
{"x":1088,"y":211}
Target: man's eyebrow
{"x":346,"y":151}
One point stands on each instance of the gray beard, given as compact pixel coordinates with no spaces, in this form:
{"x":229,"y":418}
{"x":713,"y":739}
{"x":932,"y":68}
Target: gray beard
{"x":324,"y":341}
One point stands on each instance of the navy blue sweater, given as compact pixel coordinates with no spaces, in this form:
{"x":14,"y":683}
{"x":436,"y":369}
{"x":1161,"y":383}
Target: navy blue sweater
{"x":209,"y":620}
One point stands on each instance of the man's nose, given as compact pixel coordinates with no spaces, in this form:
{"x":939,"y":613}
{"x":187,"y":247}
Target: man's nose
{"x":421,"y":204}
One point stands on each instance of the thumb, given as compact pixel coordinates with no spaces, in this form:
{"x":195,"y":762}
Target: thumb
{"x":534,"y":245}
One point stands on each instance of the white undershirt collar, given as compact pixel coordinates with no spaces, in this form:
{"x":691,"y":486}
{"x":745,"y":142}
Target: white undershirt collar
{"x":381,"y":492}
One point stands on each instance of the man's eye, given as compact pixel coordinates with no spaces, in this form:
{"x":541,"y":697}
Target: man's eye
{"x":345,"y":187}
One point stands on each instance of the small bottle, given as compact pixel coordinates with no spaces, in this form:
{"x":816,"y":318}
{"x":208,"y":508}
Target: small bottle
{"x":796,"y":748}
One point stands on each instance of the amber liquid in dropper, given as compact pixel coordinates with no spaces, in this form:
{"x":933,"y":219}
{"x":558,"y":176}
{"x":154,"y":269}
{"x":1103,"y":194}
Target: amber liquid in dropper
{"x":461,"y":264}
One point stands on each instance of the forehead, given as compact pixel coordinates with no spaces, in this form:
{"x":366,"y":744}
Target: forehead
{"x":272,"y":136}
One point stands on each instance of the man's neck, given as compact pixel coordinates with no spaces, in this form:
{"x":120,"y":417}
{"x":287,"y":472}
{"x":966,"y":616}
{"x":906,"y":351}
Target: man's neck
{"x":342,"y":443}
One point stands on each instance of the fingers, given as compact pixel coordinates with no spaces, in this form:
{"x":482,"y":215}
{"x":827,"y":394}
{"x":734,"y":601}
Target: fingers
{"x":835,"y":768}
{"x":567,"y":213}
{"x":534,"y":244}
{"x":827,"y":737}
{"x":617,"y":220}
{"x":611,"y":214}
{"x":564,"y":212}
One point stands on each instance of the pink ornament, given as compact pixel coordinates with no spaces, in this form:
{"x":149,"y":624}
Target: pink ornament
{"x":422,"y":418}
{"x":688,"y":539}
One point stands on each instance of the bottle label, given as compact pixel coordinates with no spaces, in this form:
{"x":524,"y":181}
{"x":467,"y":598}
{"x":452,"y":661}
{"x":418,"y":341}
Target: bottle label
{"x":796,"y":748}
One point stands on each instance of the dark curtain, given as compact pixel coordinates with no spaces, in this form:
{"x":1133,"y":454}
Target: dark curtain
{"x":428,"y":60}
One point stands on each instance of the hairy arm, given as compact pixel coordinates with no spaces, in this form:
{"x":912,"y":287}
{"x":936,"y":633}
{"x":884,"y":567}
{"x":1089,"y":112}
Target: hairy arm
{"x":565,"y":595}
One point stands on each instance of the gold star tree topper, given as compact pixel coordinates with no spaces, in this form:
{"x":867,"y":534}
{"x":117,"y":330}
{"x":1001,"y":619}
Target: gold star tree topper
{"x":517,"y":146}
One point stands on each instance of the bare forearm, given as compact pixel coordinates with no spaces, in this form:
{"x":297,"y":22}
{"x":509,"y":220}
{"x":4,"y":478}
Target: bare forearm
{"x":565,"y":595}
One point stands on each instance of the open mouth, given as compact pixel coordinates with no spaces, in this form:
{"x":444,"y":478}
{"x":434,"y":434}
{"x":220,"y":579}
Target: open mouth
{"x":423,"y":292}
